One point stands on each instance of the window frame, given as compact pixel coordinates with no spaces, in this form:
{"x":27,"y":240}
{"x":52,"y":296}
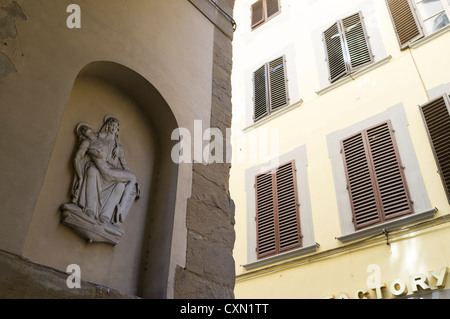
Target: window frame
{"x":265,"y":18}
{"x":345,"y":48}
{"x":422,"y":20}
{"x":374,"y":179}
{"x":419,"y":21}
{"x":277,"y":240}
{"x":298,"y":155}
{"x":418,"y":193}
{"x":269,"y":89}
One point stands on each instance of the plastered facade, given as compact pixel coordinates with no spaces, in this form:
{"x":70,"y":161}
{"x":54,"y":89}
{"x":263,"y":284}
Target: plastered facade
{"x":318,"y":111}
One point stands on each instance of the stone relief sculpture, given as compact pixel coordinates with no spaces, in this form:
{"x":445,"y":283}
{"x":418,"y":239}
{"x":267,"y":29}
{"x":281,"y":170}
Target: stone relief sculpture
{"x":104,"y":187}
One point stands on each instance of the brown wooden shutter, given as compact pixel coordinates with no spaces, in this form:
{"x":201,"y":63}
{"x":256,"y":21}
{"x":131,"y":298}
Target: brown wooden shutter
{"x":334,"y":47}
{"x":357,"y":41}
{"x":361,"y":182}
{"x":405,"y":21}
{"x":389,"y":173}
{"x":265,"y":209}
{"x":257,"y":13}
{"x":278,"y":84}
{"x":288,"y":209}
{"x":273,"y":7}
{"x":375,"y":177}
{"x":260,"y":94}
{"x":437,"y":120}
{"x":277,"y":211}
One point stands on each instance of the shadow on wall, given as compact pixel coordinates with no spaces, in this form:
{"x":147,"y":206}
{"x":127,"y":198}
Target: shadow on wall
{"x":139,"y":263}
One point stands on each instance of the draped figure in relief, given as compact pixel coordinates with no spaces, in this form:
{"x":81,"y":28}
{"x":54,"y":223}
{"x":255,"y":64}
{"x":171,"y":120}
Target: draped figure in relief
{"x":104,"y":187}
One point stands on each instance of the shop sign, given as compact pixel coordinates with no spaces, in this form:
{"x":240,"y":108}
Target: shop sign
{"x":398,"y":287}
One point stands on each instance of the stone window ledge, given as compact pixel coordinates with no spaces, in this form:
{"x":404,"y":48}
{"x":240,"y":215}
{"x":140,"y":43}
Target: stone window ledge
{"x":353,"y":76}
{"x":281,"y":257}
{"x":272,"y":116}
{"x":410,"y":219}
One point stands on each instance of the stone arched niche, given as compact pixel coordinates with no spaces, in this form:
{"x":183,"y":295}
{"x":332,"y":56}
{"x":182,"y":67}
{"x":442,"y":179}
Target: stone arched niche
{"x":139,"y":263}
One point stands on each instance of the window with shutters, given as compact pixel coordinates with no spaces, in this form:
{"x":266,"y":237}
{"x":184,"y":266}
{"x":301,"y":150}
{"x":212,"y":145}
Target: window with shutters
{"x":277,"y":211}
{"x":264,"y":10}
{"x":347,"y":46}
{"x":270,"y":91}
{"x":375,"y":177}
{"x":414,"y":19}
{"x":437,"y":121}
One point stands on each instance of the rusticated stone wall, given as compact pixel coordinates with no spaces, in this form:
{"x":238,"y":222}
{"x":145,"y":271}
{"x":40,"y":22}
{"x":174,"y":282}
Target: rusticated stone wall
{"x":210,"y":269}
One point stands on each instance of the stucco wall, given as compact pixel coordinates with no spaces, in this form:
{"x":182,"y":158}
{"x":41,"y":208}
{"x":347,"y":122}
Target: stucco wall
{"x":408,"y":78}
{"x":50,"y":244}
{"x":170,"y":46}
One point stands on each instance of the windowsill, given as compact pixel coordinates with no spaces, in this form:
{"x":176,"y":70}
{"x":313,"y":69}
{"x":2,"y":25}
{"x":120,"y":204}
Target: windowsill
{"x":273,"y":116}
{"x":353,"y":76}
{"x":281,"y":257}
{"x":430,"y":37}
{"x":387,"y":225}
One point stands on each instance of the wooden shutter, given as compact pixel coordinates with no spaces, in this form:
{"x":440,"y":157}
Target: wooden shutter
{"x":273,"y":7}
{"x":270,"y":88}
{"x":257,"y":13}
{"x":356,"y":41}
{"x":278,"y":84}
{"x":260,"y":94}
{"x":360,"y":179}
{"x":265,"y":208}
{"x":288,"y":209}
{"x":406,"y":23}
{"x":334,"y":48}
{"x":437,"y":121}
{"x":375,"y":177}
{"x":277,"y":211}
{"x":347,"y":46}
{"x":389,"y":173}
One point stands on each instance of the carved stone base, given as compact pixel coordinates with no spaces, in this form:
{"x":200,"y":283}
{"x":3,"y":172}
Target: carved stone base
{"x":89,"y":228}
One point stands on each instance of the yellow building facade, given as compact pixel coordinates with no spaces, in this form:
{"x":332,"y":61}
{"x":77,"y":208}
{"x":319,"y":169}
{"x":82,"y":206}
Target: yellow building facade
{"x":340,"y":144}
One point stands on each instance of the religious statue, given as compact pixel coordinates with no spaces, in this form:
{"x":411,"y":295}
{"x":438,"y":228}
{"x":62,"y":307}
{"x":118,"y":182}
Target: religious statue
{"x":104,"y":187}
